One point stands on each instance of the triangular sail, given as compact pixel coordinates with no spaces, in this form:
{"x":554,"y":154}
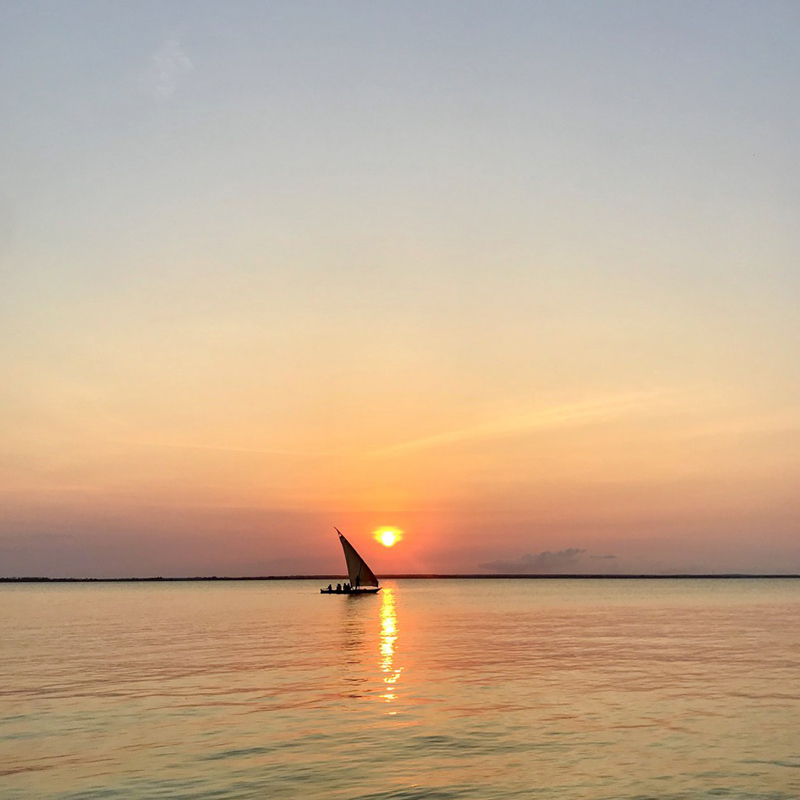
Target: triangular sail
{"x":358,"y":571}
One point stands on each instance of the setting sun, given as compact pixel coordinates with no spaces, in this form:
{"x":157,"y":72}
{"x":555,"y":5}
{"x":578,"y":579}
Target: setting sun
{"x":388,"y":536}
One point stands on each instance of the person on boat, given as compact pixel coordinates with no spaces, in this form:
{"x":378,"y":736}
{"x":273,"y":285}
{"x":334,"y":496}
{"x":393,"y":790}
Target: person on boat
{"x":347,"y":587}
{"x":339,"y":588}
{"x":330,"y":588}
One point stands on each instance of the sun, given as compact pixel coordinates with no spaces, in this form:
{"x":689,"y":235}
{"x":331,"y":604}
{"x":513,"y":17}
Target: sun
{"x":388,"y":537}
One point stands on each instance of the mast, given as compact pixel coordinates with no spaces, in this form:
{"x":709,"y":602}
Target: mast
{"x":358,"y":571}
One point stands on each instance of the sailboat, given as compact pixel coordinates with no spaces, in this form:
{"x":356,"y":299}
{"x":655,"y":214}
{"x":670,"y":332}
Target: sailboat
{"x":362,"y":578}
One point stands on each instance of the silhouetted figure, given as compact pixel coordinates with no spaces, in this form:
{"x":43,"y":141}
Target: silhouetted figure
{"x":330,"y":588}
{"x":347,"y":587}
{"x":339,"y":588}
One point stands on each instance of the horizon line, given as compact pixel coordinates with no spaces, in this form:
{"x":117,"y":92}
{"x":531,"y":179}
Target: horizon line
{"x":408,"y":576}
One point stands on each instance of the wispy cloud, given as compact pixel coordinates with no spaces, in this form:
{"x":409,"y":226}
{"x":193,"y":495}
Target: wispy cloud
{"x":545,"y":562}
{"x":167,"y":68}
{"x":549,"y":417}
{"x":212,"y":448}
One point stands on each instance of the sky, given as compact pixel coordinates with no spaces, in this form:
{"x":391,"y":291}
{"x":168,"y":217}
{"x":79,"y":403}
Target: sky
{"x":520,"y":279}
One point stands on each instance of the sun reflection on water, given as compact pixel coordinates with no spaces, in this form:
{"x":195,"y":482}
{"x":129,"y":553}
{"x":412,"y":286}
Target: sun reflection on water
{"x":388,"y":638}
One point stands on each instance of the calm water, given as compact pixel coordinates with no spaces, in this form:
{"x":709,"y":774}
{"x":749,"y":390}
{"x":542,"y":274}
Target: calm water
{"x":432,"y":689}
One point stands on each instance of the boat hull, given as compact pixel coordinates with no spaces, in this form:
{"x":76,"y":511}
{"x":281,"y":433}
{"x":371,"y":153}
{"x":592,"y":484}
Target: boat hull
{"x":351,"y":592}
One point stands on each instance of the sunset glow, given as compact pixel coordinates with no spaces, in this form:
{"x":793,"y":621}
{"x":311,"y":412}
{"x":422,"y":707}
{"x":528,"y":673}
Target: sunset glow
{"x":388,"y":537}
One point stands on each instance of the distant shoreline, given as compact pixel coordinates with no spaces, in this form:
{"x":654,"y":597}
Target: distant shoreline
{"x":480,"y":576}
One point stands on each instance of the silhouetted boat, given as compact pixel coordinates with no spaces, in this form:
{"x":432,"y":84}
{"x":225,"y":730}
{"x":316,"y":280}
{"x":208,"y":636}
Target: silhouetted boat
{"x":362,"y":578}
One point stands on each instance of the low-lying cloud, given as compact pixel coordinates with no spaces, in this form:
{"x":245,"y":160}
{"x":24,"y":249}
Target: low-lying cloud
{"x":546,"y":562}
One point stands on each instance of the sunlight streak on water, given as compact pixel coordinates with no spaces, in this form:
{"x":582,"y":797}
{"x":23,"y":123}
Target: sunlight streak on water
{"x":388,"y":639}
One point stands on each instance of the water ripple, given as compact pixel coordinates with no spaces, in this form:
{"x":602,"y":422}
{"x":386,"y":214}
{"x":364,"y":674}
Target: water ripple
{"x":484,"y":690}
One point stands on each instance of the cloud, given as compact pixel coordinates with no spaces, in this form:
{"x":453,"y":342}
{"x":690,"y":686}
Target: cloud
{"x":546,"y":562}
{"x":212,"y":448}
{"x":168,"y":66}
{"x":568,"y":414}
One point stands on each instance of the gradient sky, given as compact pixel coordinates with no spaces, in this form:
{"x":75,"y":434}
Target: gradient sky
{"x":521,"y":278}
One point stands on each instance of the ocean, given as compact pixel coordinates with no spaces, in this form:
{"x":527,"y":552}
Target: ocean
{"x":484,"y":689}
